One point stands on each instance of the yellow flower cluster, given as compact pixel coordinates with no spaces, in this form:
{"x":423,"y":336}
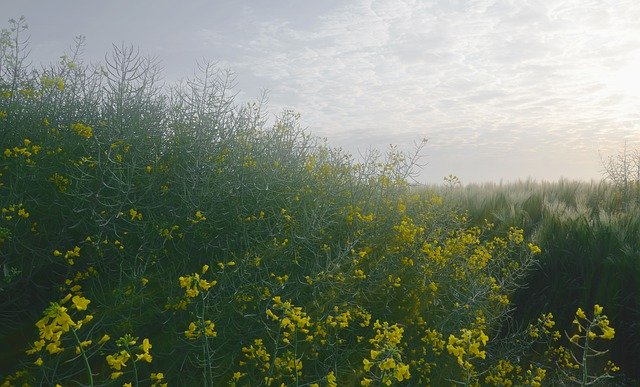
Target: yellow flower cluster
{"x":480,"y":258}
{"x":508,"y":374}
{"x":468,"y":345}
{"x":407,"y":231}
{"x":49,"y":82}
{"x":535,"y":249}
{"x":288,"y":364}
{"x":331,"y":380}
{"x":193,"y":284}
{"x":386,"y":355}
{"x":69,"y":255}
{"x":25,"y":152}
{"x":200,"y":328}
{"x":434,"y":338}
{"x":56,"y":322}
{"x":563,"y":357}
{"x":578,"y":368}
{"x":257,"y":354}
{"x":118,"y":361}
{"x":15,"y":209}
{"x":544,"y":325}
{"x":588,"y":326}
{"x":168,"y":233}
{"x":339,"y":319}
{"x":82,"y":130}
{"x":355,"y":213}
{"x":60,"y":181}
{"x":157,"y":379}
{"x":516,"y":235}
{"x":292,"y":320}
{"x":14,"y":380}
{"x":135,"y":214}
{"x":249,"y":162}
{"x":199,"y":217}
{"x":460,"y":243}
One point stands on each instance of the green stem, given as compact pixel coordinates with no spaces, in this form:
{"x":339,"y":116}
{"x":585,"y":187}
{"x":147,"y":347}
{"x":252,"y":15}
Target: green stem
{"x":135,"y":368}
{"x":295,"y":356}
{"x":585,"y":373}
{"x":84,"y":357}
{"x":206,"y":350}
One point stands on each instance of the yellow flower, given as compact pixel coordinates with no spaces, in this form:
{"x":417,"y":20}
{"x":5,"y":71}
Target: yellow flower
{"x":402,"y":372}
{"x":608,"y":333}
{"x":53,"y":348}
{"x":238,"y":375}
{"x":82,"y":130}
{"x":104,"y":339}
{"x":209,"y":329}
{"x":191,"y":333}
{"x":271,"y":315}
{"x":116,"y":375}
{"x":80,"y":303}
{"x":331,"y":380}
{"x":580,"y":313}
{"x":118,"y":361}
{"x":597,"y":309}
{"x":145,"y":357}
{"x":367,"y":364}
{"x":135,"y":214}
{"x":38,"y":362}
{"x":145,"y":346}
{"x":387,"y":364}
{"x":157,"y":376}
{"x":66,"y":298}
{"x":534,"y":249}
{"x":205,"y":285}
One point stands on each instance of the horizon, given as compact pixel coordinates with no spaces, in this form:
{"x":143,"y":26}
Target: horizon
{"x":503,"y":92}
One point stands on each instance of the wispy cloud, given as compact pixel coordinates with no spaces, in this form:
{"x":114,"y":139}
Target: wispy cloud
{"x":489,"y":77}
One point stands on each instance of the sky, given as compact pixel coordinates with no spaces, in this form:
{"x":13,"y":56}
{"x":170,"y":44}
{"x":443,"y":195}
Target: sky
{"x":501,"y":89}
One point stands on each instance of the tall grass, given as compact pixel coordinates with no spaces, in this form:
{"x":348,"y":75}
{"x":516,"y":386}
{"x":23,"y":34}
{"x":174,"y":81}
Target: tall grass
{"x":590,"y":236}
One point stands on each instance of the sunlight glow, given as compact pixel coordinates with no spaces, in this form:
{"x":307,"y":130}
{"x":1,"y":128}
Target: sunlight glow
{"x":626,"y":79}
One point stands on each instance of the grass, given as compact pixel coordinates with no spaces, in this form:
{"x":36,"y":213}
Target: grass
{"x":590,"y":238}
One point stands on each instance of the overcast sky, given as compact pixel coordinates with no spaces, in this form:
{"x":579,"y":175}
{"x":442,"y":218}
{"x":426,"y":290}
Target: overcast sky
{"x":501,"y":89}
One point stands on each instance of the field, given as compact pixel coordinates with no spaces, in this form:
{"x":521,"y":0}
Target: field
{"x":157,"y":235}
